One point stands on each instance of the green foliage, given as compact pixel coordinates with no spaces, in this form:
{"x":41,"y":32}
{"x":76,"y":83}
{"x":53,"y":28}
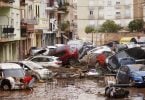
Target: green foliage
{"x":89,"y":29}
{"x":136,"y":25}
{"x":109,"y":26}
{"x":64,"y":26}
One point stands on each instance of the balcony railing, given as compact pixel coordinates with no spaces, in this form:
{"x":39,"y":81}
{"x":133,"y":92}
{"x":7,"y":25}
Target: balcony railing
{"x":26,"y":28}
{"x":6,"y":3}
{"x":29,"y":21}
{"x":6,"y":32}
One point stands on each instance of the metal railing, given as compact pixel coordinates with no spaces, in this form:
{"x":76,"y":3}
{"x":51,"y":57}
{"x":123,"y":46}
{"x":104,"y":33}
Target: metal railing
{"x":6,"y":32}
{"x":29,"y":21}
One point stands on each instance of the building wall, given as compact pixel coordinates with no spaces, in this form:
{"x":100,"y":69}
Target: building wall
{"x":96,"y":12}
{"x":9,"y":46}
{"x":138,"y":9}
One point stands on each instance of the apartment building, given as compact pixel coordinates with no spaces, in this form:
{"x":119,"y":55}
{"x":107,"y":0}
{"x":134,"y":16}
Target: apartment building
{"x":138,"y":9}
{"x":96,"y":12}
{"x":67,"y":13}
{"x":28,"y":21}
{"x":9,"y":29}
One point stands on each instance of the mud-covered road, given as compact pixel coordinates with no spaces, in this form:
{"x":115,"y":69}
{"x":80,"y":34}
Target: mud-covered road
{"x":68,"y":89}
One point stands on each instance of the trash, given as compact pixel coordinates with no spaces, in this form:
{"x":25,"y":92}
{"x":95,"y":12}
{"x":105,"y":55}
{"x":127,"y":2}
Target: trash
{"x":115,"y":92}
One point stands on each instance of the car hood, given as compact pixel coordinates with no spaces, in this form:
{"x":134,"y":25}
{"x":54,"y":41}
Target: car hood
{"x":139,"y":73}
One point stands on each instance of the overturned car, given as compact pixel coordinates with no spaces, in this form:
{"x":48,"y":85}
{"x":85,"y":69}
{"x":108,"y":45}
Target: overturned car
{"x":134,"y":55}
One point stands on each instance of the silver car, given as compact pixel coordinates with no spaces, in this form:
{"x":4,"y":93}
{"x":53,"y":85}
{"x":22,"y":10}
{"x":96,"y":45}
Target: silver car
{"x":46,"y":61}
{"x":35,"y":69}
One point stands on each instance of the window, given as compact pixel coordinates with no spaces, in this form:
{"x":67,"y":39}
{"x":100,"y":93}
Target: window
{"x":36,"y":59}
{"x":109,"y":3}
{"x":124,"y":70}
{"x":91,"y":12}
{"x":118,"y":14}
{"x":60,"y":54}
{"x":117,"y":3}
{"x":1,"y":74}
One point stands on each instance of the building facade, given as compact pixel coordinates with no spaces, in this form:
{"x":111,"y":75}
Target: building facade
{"x":9,"y":30}
{"x":96,"y":12}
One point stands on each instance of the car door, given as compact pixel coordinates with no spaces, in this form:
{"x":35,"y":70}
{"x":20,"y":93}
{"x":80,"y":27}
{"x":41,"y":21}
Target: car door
{"x":123,"y":75}
{"x":28,"y":71}
{"x":44,"y":61}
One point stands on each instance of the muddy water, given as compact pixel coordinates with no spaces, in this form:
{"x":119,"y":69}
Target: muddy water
{"x":67,"y":89}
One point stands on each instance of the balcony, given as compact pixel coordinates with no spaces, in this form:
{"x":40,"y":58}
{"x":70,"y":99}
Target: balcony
{"x":6,"y":3}
{"x":6,"y":33}
{"x":26,"y":29}
{"x":63,"y":7}
{"x":29,"y":21}
{"x":22,"y":4}
{"x":51,"y":6}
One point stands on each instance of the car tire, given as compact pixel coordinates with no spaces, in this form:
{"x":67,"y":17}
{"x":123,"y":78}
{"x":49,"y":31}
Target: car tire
{"x":6,"y":85}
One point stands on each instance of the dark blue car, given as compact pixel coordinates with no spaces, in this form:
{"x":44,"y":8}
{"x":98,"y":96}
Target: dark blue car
{"x":131,"y":74}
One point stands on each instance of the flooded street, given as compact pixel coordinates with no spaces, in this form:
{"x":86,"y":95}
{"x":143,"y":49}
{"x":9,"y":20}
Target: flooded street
{"x":66,"y":89}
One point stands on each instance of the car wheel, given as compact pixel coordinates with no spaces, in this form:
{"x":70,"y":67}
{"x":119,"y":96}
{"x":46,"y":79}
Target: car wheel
{"x":6,"y":85}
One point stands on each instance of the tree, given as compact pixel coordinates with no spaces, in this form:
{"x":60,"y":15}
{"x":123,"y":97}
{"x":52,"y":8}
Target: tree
{"x":65,"y":26}
{"x":109,"y":26}
{"x":136,"y":25}
{"x":89,"y":29}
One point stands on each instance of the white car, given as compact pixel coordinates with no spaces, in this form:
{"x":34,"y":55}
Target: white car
{"x":10,"y":75}
{"x":34,"y":69}
{"x":46,"y":61}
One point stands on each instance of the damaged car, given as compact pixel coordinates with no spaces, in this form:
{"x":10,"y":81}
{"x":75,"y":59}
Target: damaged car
{"x":128,"y":56}
{"x":11,"y":76}
{"x":131,"y":74}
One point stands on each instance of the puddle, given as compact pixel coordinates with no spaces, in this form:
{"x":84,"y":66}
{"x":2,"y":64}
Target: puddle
{"x":66,"y":89}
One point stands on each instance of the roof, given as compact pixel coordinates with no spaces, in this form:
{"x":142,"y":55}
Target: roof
{"x":9,"y":66}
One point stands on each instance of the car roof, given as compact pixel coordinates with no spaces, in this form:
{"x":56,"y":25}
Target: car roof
{"x":9,"y":66}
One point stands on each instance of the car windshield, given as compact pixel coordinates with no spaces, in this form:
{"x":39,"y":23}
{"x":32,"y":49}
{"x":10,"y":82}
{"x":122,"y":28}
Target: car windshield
{"x":33,"y":65}
{"x":13,"y":73}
